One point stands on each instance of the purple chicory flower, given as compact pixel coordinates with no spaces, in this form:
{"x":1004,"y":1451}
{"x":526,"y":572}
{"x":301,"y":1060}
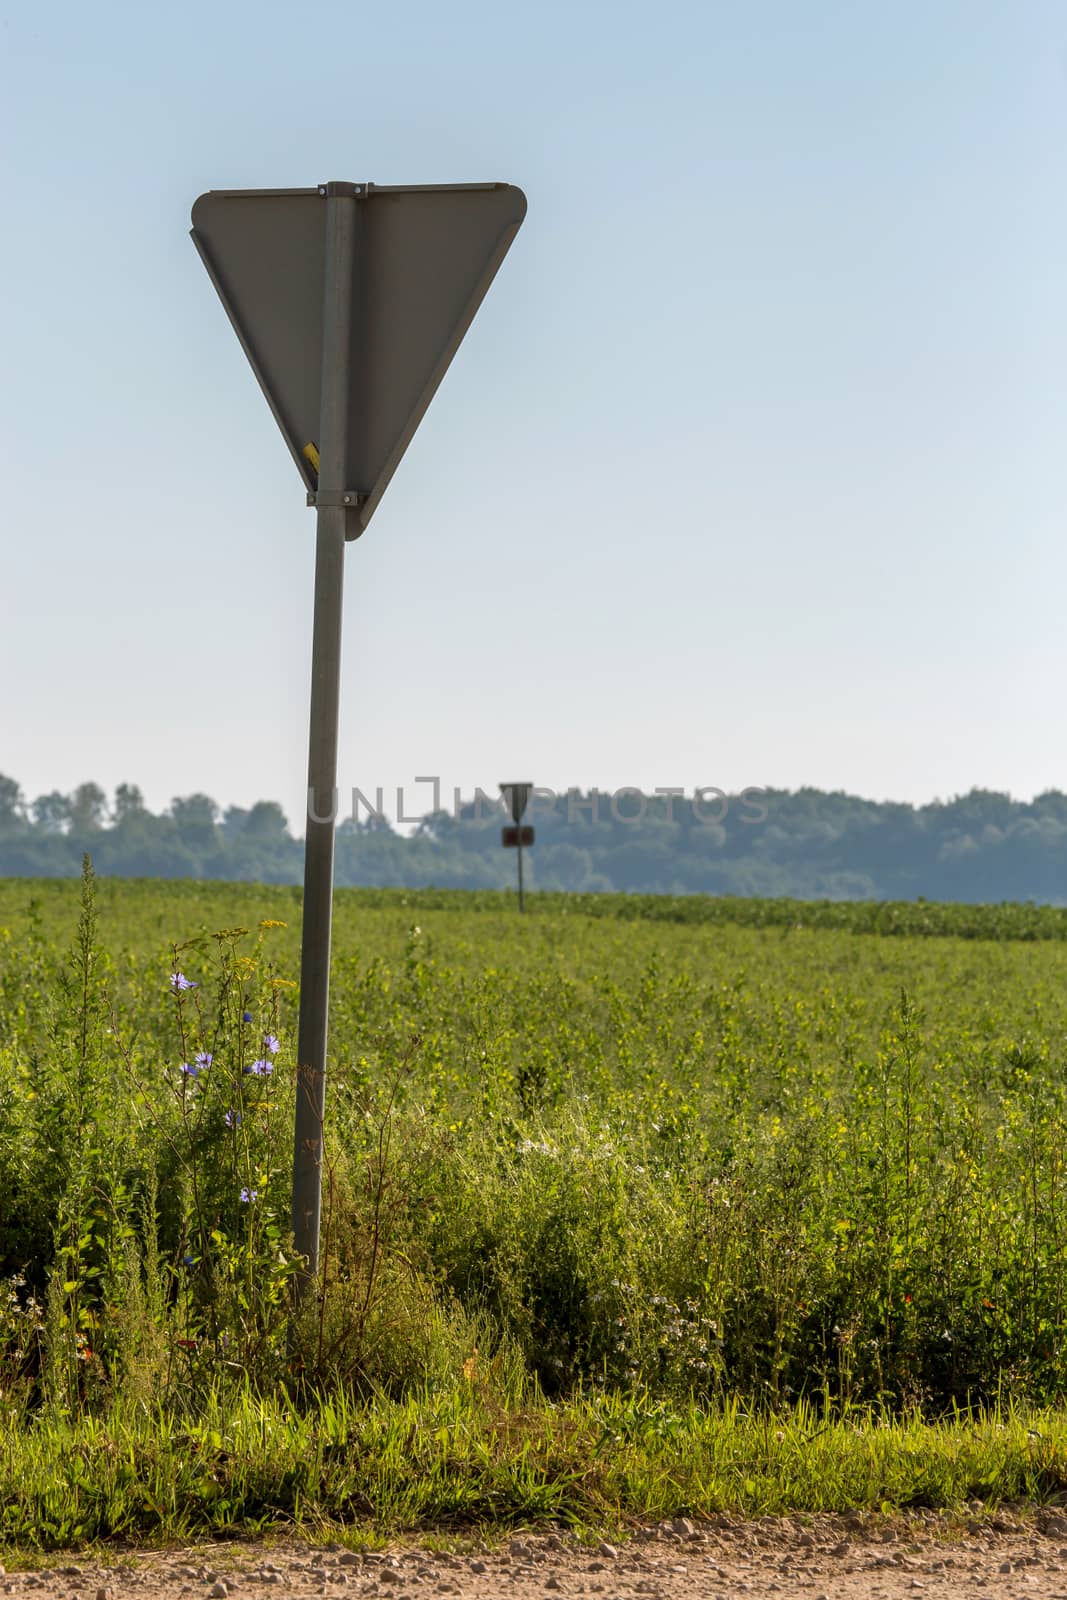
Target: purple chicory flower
{"x":246,"y":1016}
{"x":271,"y":1043}
{"x":232,"y":1119}
{"x":260,"y":1069}
{"x":248,"y":1195}
{"x":189,"y":1071}
{"x":179,"y":981}
{"x":204,"y":1058}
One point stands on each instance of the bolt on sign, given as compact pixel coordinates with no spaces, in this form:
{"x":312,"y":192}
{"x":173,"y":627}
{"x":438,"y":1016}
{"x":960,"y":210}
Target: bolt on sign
{"x":349,"y":301}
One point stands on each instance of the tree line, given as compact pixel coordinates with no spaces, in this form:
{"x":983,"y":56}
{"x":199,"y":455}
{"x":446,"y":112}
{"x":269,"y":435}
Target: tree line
{"x":808,"y":843}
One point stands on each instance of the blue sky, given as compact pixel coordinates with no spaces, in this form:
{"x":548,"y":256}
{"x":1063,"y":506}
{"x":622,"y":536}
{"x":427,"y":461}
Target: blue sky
{"x":750,"y":471}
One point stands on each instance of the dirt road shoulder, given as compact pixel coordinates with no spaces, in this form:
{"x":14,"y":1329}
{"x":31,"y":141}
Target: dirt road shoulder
{"x":802,"y":1558}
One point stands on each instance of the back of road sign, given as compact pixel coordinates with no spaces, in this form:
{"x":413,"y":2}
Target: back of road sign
{"x":516,"y":798}
{"x":424,"y":258}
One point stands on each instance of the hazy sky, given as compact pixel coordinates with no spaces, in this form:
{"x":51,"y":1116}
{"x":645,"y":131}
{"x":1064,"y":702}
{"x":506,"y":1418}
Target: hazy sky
{"x":752,"y":469}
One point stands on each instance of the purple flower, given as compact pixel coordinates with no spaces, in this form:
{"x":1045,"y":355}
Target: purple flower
{"x":204,"y":1058}
{"x":271,"y":1043}
{"x":246,"y":1016}
{"x":232,"y":1119}
{"x":260,"y":1069}
{"x":188,"y":1071}
{"x":179,"y":981}
{"x":248,"y":1195}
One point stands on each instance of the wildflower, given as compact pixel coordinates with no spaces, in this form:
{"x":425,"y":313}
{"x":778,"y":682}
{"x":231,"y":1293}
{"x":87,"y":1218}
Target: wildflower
{"x":271,"y":1043}
{"x":188,"y":1260}
{"x":260,"y":1069}
{"x":204,"y":1058}
{"x":246,"y":1016}
{"x":232,"y":1119}
{"x":189,"y":1071}
{"x":179,"y":981}
{"x":248,"y":1195}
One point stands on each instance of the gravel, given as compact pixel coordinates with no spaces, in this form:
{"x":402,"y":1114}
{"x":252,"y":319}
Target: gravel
{"x":1006,"y":1557}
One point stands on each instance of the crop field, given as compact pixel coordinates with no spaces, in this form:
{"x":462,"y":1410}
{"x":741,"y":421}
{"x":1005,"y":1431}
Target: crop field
{"x":629,"y":1206}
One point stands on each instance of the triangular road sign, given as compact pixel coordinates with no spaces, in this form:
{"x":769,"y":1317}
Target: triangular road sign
{"x":424,"y":258}
{"x":516,"y":798}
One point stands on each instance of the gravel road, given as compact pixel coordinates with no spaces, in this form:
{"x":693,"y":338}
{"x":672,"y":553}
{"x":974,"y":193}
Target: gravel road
{"x":812,"y":1558}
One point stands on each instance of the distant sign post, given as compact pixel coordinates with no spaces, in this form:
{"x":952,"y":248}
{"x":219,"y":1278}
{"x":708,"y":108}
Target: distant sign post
{"x":349,"y":300}
{"x":518,"y":837}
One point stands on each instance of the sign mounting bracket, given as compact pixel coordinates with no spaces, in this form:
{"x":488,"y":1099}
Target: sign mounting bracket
{"x":336,"y":497}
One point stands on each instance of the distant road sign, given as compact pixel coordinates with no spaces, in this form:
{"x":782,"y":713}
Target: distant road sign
{"x":516,"y":798}
{"x":423,"y":259}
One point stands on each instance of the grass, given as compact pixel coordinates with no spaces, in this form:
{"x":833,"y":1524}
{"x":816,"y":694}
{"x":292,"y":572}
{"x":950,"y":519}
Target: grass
{"x":631,"y":1208}
{"x":141,"y":905}
{"x":456,"y":1462}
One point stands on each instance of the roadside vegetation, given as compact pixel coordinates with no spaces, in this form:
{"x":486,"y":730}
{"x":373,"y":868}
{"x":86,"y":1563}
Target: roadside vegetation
{"x":630,"y":1208}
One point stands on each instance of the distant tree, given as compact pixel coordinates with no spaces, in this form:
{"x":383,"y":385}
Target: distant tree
{"x":233,"y":821}
{"x":977,"y":807}
{"x":51,"y":812}
{"x":1051,"y":804}
{"x":373,"y":822}
{"x":87,"y":808}
{"x":129,"y":802}
{"x":194,"y":818}
{"x":12,"y":804}
{"x":434,"y":825}
{"x":266,"y":822}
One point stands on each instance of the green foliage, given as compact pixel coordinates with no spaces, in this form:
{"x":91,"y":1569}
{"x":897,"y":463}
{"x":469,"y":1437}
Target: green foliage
{"x":613,"y":1148}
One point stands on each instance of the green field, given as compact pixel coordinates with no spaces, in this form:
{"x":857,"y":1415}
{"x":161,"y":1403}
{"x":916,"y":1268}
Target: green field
{"x":627,"y":1202}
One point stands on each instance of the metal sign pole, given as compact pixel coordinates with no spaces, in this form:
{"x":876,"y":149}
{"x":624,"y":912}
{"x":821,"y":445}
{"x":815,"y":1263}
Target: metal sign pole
{"x":332,"y":518}
{"x":522,"y":900}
